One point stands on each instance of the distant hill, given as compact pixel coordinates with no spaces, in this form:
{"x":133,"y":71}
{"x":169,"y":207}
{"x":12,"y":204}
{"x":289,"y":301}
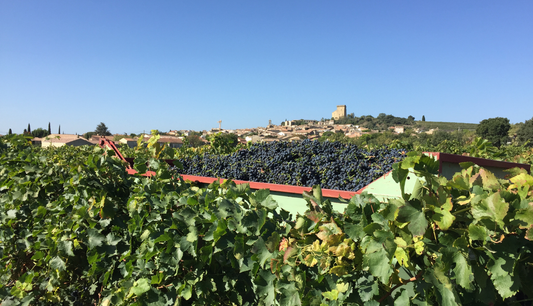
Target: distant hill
{"x":446,"y":126}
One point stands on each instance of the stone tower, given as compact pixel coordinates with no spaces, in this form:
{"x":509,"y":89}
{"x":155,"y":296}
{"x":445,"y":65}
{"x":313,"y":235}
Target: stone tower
{"x":340,"y":112}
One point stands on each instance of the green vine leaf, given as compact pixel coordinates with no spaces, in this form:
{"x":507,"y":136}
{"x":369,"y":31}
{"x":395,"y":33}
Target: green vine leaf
{"x":261,"y":251}
{"x":463,"y":271}
{"x":477,"y":232}
{"x":57,"y":264}
{"x":290,"y":295}
{"x":140,"y":286}
{"x":444,"y":293}
{"x":66,"y":247}
{"x":378,"y":264}
{"x":526,"y":214}
{"x":502,"y":277}
{"x":95,"y":238}
{"x":418,"y":223}
{"x":402,"y":299}
{"x":265,"y":287}
{"x":367,"y":287}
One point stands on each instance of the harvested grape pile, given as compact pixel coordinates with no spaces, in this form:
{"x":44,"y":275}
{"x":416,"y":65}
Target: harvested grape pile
{"x":332,"y":165}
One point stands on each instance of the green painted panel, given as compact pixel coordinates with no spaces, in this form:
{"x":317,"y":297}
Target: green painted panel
{"x":449,"y":169}
{"x":295,"y":203}
{"x":386,"y":188}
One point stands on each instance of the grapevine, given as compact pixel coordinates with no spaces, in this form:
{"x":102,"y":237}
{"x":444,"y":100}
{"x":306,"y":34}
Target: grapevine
{"x":76,"y":229}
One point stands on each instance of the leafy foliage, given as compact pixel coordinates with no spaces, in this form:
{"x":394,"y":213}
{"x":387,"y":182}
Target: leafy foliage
{"x":102,"y":130}
{"x":463,"y":241}
{"x":224,"y":143}
{"x":383,"y":121}
{"x":494,"y":130}
{"x":88,"y":135}
{"x":194,"y":141}
{"x":40,"y":132}
{"x":76,"y":229}
{"x":525,"y":133}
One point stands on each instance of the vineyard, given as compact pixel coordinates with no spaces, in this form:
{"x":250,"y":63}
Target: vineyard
{"x":77,"y":229}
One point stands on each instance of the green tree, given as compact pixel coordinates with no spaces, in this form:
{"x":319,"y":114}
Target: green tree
{"x":88,"y":135}
{"x":337,"y":136}
{"x":102,"y":130}
{"x":525,"y":133}
{"x":39,"y":132}
{"x":29,"y":129}
{"x":515,"y":128}
{"x":59,"y":129}
{"x":224,"y":143}
{"x":10,"y":132}
{"x":195,"y":133}
{"x":49,"y":129}
{"x":423,"y":118}
{"x":494,"y":130}
{"x":194,"y":141}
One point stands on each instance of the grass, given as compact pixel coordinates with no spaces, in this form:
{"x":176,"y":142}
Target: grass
{"x":446,"y":126}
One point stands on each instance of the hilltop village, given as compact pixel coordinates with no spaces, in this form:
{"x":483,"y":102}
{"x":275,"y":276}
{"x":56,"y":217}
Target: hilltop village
{"x":290,"y":130}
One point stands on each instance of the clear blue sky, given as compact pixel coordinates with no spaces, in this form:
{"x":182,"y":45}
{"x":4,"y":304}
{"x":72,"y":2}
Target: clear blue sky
{"x":181,"y":64}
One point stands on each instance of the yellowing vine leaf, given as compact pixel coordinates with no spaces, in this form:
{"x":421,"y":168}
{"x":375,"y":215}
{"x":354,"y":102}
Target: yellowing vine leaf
{"x":402,"y":257}
{"x":493,"y":208}
{"x":490,"y":182}
{"x":442,"y":216}
{"x":529,"y":233}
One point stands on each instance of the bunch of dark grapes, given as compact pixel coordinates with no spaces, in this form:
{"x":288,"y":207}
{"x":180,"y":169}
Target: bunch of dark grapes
{"x":332,"y":165}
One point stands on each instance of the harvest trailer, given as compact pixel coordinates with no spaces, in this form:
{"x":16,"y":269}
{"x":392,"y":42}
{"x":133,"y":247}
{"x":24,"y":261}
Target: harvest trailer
{"x":289,"y":197}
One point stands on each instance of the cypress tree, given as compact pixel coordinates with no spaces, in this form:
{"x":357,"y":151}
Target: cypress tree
{"x":59,"y":130}
{"x":49,"y":129}
{"x":423,"y":118}
{"x":29,"y":129}
{"x":25,"y":131}
{"x":10,"y":133}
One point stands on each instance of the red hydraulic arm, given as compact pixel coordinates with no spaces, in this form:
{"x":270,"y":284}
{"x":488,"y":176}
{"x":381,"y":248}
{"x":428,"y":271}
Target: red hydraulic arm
{"x":111,"y":145}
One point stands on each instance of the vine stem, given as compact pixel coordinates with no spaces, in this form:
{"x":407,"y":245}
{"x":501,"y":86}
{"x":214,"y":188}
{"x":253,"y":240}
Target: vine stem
{"x":461,"y":210}
{"x":412,"y":279}
{"x":517,"y":302}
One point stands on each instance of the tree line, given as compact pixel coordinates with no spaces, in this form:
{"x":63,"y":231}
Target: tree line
{"x":38,"y":132}
{"x":496,"y":130}
{"x":382,"y":121}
